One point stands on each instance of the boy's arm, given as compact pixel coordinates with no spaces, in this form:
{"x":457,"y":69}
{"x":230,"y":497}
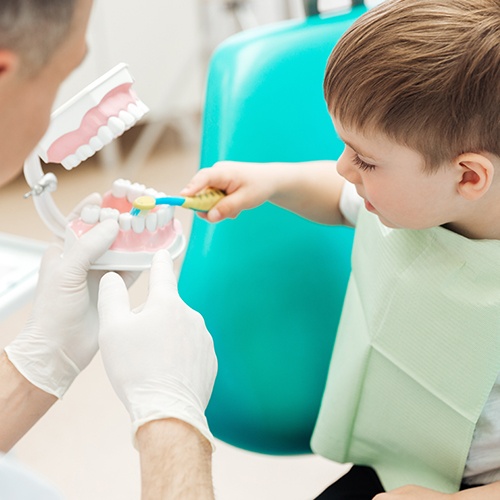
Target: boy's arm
{"x":310,"y":189}
{"x":176,"y":461}
{"x":22,"y":404}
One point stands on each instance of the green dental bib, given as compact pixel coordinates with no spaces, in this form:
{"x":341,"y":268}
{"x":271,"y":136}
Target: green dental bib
{"x":416,"y":355}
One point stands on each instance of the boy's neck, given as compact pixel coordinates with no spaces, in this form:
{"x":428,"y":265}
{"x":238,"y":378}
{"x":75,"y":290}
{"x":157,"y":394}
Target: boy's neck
{"x":483,"y":223}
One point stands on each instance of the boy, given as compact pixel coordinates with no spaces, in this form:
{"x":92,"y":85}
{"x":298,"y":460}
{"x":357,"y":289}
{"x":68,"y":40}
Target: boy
{"x":413,"y":89}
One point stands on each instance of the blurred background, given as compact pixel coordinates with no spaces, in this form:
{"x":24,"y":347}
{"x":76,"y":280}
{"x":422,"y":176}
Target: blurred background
{"x":83,"y":445}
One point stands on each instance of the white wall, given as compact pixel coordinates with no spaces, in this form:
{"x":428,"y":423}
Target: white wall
{"x":164,"y":42}
{"x":154,"y":37}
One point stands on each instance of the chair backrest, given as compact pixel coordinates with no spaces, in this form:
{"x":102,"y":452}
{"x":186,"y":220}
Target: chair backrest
{"x":269,"y":283}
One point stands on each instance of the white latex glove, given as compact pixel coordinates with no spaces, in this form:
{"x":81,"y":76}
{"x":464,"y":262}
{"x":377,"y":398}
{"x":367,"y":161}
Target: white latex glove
{"x":60,"y":339}
{"x":159,"y":358}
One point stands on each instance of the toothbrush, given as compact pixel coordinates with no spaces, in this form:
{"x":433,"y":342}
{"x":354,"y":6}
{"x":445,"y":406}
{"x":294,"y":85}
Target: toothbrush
{"x":200,"y":202}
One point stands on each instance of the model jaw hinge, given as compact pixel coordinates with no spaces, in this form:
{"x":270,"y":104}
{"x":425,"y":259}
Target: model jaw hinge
{"x":46,"y":183}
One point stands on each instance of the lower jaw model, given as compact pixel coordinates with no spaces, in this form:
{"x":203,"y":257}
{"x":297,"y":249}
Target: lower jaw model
{"x":85,"y":124}
{"x":139,"y":236}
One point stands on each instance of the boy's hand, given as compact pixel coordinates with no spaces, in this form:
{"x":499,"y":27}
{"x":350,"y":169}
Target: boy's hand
{"x":247,"y":185}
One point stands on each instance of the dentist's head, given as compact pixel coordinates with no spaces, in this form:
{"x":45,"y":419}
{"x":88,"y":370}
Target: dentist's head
{"x":41,"y":42}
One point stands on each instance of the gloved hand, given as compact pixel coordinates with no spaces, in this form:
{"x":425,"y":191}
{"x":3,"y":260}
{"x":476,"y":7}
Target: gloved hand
{"x":159,"y":358}
{"x":60,"y":338}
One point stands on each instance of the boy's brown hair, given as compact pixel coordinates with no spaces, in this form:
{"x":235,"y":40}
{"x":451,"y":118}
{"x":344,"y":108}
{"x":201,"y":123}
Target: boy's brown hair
{"x":426,"y":73}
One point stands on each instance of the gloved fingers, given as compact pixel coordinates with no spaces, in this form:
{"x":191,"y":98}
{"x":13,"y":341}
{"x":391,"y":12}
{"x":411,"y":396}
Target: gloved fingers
{"x":129,"y":277}
{"x":113,"y":301}
{"x":50,"y":260}
{"x":90,"y":246}
{"x":91,"y":199}
{"x":162,"y":279}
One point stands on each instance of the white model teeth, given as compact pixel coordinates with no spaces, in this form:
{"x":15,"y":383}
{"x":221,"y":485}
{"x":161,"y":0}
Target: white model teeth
{"x":96,"y":144}
{"x":84,"y":152}
{"x":127,"y":119}
{"x":125,"y":221}
{"x":152,"y":222}
{"x":151,"y":192}
{"x":138,"y":224}
{"x":105,"y":135}
{"x":115,"y":127}
{"x":120,"y":188}
{"x":134,"y":191}
{"x":165,"y":215}
{"x":123,"y":188}
{"x":138,"y":110}
{"x":109,"y":213}
{"x":90,"y":214}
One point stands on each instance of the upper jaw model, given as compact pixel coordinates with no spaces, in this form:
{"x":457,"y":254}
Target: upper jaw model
{"x":85,"y":124}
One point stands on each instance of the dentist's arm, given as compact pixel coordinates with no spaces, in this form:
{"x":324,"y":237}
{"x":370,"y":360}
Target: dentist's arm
{"x":176,"y":461}
{"x":310,"y":189}
{"x":161,"y":362}
{"x":22,"y":404}
{"x":58,"y":341}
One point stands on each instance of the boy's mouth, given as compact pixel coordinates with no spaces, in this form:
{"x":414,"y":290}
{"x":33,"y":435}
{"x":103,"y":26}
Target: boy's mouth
{"x":369,"y":206}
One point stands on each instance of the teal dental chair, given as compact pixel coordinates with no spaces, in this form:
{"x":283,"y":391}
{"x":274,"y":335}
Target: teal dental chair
{"x":269,"y":284}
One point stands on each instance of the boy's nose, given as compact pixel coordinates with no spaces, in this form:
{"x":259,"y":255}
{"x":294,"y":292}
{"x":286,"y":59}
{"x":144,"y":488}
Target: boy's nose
{"x":348,"y":171}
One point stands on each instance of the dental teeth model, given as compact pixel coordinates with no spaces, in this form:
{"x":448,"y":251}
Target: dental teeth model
{"x":93,"y":118}
{"x":85,"y":124}
{"x":139,"y":237}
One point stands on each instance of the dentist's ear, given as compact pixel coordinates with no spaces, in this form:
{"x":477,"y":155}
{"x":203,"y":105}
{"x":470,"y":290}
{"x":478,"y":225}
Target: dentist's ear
{"x":476,"y":175}
{"x":9,"y":70}
{"x":9,"y":63}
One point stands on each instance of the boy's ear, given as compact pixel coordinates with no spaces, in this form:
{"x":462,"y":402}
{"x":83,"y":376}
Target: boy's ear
{"x":476,"y":175}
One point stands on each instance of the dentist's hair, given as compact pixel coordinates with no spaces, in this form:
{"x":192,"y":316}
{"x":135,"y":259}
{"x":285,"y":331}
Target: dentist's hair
{"x":34,"y":28}
{"x":426,"y":73}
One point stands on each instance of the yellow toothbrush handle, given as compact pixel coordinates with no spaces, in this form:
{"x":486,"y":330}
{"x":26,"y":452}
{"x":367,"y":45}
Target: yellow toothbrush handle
{"x":204,"y":200}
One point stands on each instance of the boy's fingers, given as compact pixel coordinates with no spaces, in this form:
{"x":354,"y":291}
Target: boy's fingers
{"x":196,"y":184}
{"x":229,"y":207}
{"x":217,"y":177}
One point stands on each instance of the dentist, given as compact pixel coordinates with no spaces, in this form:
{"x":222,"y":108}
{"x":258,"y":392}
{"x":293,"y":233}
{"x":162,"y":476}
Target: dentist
{"x":40,"y":44}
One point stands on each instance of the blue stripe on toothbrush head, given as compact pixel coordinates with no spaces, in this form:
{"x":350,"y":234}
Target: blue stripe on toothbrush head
{"x":175,"y":201}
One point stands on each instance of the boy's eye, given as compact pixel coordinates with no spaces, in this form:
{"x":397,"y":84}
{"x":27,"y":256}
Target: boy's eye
{"x":362,"y":164}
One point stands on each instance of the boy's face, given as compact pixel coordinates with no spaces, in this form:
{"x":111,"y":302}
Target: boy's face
{"x":26,"y":101}
{"x":391,"y":180}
